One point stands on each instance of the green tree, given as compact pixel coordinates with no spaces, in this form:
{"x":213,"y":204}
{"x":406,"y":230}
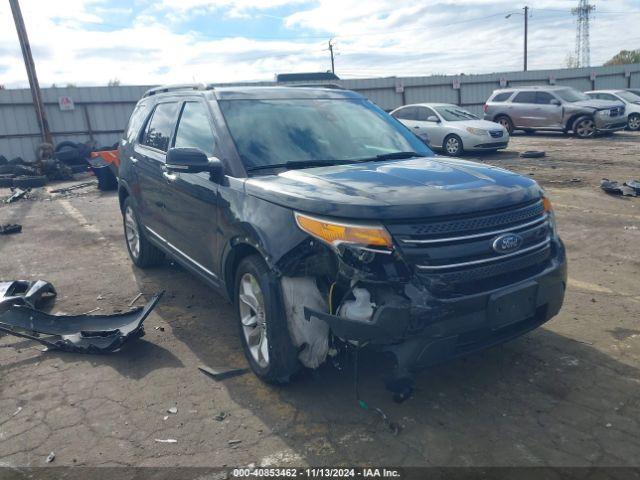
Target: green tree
{"x":624,"y":57}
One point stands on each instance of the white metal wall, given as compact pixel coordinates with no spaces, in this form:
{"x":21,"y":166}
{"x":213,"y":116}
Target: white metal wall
{"x":108,"y":108}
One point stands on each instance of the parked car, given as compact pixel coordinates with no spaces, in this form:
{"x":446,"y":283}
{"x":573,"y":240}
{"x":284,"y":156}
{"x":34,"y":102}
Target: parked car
{"x":329,"y":225}
{"x":631,"y":101}
{"x":554,"y":108}
{"x":452,"y":129}
{"x":635,"y":91}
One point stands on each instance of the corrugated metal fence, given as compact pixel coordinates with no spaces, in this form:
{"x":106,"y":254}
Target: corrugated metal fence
{"x":101,"y":113}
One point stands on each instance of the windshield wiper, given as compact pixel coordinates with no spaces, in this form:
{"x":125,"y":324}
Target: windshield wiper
{"x":390,"y":156}
{"x":299,"y":164}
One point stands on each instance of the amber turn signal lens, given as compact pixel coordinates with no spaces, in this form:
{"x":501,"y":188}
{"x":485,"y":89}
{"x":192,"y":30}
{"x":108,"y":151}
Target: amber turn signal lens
{"x":546,"y":204}
{"x":334,"y":233}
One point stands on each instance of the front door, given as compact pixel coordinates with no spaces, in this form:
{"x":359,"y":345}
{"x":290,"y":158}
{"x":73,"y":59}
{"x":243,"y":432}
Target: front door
{"x":548,"y":114}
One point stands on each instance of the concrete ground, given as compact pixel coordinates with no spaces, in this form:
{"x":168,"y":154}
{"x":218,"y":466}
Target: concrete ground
{"x":566,"y":394}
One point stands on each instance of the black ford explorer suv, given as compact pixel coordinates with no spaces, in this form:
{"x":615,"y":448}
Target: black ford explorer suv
{"x":330,"y":226}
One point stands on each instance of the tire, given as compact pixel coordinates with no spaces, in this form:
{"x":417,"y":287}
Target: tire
{"x":634,"y":122}
{"x":452,"y":145}
{"x":584,"y":127}
{"x":30,"y":182}
{"x":533,"y":154}
{"x":505,"y":122}
{"x":143,"y":253}
{"x":66,"y":143}
{"x":259,"y":313}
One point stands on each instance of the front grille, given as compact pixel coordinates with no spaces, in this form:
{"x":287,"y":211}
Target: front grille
{"x":458,"y":252}
{"x":496,"y":133}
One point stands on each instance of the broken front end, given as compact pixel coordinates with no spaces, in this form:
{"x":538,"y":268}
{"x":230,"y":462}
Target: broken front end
{"x":424,"y":291}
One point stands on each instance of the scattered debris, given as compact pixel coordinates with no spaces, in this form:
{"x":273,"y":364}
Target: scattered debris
{"x":17,"y":194}
{"x":17,"y":412}
{"x":221,"y":416}
{"x":159,"y":328}
{"x":569,"y":180}
{"x":74,"y":187}
{"x":173,"y":410}
{"x":222,"y":373}
{"x":92,"y":311}
{"x":25,"y":292}
{"x":77,"y":333}
{"x":234,"y":442}
{"x":533,"y":154}
{"x":135,"y":300}
{"x":165,"y":418}
{"x":166,"y":440}
{"x":630,"y":227}
{"x":614,"y":188}
{"x":10,"y":228}
{"x":51,"y":457}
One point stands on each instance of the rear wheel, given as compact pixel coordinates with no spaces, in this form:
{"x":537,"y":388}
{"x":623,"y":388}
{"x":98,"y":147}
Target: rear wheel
{"x":143,"y":253}
{"x":505,"y":122}
{"x":452,"y":145}
{"x":264,"y":332}
{"x":584,"y":127}
{"x":634,"y":122}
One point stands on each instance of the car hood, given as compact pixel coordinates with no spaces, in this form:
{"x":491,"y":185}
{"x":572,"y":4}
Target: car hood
{"x":483,"y":124}
{"x":398,"y":189}
{"x":597,"y":104}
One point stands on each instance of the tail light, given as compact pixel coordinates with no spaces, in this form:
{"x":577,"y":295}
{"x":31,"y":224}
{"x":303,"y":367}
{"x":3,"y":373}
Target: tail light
{"x":485,"y":108}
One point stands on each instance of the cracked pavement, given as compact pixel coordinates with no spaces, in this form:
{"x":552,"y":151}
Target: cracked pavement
{"x":567,"y":394}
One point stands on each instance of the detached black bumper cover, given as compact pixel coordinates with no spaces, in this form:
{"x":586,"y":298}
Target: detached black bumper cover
{"x":77,"y":333}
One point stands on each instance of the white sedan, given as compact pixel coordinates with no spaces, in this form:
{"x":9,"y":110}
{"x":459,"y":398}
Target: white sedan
{"x":452,"y":129}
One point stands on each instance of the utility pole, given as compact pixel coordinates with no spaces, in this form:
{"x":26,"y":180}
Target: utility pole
{"x":583,"y":49}
{"x":526,"y":34}
{"x":333,"y":65}
{"x":31,"y":72}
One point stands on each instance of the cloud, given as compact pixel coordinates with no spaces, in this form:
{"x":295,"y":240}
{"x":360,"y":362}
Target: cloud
{"x":151,"y":42}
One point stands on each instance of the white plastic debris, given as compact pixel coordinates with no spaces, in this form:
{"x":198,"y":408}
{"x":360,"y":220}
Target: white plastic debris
{"x":173,"y":410}
{"x":299,"y":292}
{"x":51,"y":457}
{"x":166,"y":440}
{"x":360,"y":309}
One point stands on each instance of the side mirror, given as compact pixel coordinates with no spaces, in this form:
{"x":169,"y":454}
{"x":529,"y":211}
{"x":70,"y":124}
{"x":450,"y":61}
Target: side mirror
{"x":555,"y":101}
{"x":433,"y":118}
{"x":193,"y":160}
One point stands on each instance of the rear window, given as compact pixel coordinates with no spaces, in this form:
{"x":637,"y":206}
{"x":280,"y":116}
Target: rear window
{"x":502,"y":97}
{"x":160,"y":128}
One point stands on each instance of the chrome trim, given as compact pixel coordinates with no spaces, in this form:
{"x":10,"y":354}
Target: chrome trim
{"x":486,"y":260}
{"x":478,"y":235}
{"x":177,"y":250}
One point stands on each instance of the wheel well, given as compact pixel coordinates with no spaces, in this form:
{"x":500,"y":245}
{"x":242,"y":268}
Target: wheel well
{"x":496,"y":117}
{"x":122,"y":196}
{"x":571,"y":121}
{"x":237,"y":254}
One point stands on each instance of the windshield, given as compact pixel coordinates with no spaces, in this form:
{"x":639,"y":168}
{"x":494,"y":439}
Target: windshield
{"x":451,"y":113}
{"x":629,"y":97}
{"x":571,"y":95}
{"x":275,"y":132}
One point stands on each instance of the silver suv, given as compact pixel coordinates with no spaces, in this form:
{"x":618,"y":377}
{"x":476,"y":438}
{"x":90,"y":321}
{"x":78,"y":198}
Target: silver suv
{"x":554,"y":108}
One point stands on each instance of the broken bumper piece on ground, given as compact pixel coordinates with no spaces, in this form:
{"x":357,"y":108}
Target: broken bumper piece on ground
{"x":25,"y":292}
{"x":77,"y":333}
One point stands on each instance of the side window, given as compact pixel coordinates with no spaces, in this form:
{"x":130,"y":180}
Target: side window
{"x":501,"y":97}
{"x":136,"y":120}
{"x":427,"y":112}
{"x":544,"y":98}
{"x":160,"y":127}
{"x":423,"y":114}
{"x":194,"y":130}
{"x":525,"y":97}
{"x":608,"y":96}
{"x":408,"y":113}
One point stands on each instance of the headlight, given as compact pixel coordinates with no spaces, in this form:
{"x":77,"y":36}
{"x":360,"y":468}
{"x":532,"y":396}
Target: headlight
{"x":548,"y":209}
{"x":335,"y":233}
{"x":476,"y":131}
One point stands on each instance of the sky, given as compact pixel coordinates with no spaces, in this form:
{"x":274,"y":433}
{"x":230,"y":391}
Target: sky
{"x":143,"y":42}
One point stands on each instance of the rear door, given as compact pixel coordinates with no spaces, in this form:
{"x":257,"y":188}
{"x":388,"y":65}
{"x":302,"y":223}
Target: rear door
{"x":150,"y":154}
{"x":192,"y":206}
{"x":523,"y":113}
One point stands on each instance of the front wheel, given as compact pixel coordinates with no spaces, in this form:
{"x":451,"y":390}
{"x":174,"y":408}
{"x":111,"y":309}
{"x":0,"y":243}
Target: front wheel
{"x":634,"y":122}
{"x":262,"y":322}
{"x":452,"y":145}
{"x":584,"y":127}
{"x":143,"y":253}
{"x":505,"y":122}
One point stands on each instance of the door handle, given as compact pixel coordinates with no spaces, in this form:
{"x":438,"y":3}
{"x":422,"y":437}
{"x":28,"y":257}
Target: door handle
{"x":170,"y":177}
{"x":417,"y":128}
{"x":133,"y":159}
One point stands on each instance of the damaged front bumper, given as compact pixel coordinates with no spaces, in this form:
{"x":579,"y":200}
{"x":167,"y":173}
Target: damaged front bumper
{"x":422,"y":330}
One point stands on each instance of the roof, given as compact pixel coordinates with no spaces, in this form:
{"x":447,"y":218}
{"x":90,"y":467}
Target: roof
{"x":282,"y":93}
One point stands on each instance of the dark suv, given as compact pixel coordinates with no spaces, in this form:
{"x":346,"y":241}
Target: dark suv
{"x":330,"y":226}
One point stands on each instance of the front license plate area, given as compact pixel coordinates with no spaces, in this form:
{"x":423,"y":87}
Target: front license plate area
{"x":512,"y":306}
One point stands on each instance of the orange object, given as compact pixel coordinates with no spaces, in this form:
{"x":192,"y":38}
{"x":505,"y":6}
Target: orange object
{"x":109,"y":156}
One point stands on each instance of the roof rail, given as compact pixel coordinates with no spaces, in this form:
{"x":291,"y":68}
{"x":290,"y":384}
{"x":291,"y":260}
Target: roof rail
{"x":334,"y":86}
{"x":176,"y":88}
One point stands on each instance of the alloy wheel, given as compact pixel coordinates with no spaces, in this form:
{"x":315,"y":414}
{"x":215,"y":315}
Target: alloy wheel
{"x":452,"y":146}
{"x":252,"y":316}
{"x":132,"y":233}
{"x":634,"y":122}
{"x":586,"y":128}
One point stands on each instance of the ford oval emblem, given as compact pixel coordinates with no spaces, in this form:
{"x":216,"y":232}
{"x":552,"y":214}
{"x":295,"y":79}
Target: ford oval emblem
{"x":507,"y":243}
